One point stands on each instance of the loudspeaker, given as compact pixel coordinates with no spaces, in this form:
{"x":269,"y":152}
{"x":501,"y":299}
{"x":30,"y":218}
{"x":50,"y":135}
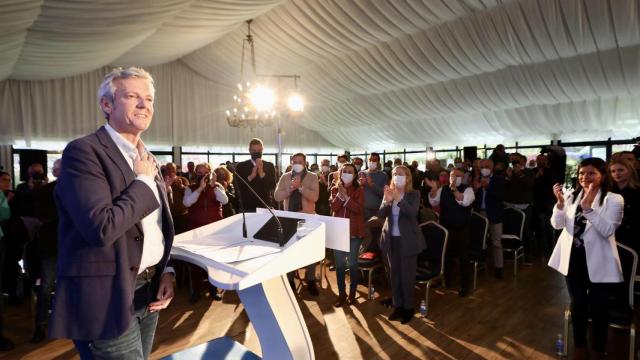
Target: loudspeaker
{"x":28,"y":157}
{"x":470,"y":153}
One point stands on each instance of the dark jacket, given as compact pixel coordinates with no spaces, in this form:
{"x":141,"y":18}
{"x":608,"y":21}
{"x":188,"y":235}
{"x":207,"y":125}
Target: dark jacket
{"x":494,"y":199}
{"x":412,"y":239}
{"x":100,"y":205}
{"x":263,"y":186}
{"x":46,"y":212}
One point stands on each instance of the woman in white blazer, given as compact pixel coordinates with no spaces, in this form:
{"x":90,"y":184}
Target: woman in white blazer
{"x":586,"y":251}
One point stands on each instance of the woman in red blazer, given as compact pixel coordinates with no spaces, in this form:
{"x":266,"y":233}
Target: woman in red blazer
{"x":347,"y":201}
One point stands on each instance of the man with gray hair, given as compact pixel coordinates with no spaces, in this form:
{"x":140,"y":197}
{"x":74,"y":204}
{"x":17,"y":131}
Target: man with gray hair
{"x":115,"y":231}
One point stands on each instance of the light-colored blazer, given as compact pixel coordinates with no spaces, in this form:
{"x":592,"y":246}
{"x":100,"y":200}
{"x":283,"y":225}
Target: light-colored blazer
{"x":310,"y":191}
{"x":603,"y":262}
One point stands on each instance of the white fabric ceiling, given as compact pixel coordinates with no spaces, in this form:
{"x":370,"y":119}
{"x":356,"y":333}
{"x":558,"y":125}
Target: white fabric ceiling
{"x":376,"y":74}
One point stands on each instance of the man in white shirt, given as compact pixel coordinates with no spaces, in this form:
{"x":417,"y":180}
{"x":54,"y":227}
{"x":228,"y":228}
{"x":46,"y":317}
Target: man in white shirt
{"x":115,"y":230}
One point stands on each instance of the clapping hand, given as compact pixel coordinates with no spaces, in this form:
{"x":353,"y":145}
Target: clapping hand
{"x":295,"y":183}
{"x":396,"y":195}
{"x":589,"y":195}
{"x":388,"y":194}
{"x":452,"y":180}
{"x":342,"y":191}
{"x":557,"y":191}
{"x":433,"y":184}
{"x":260,"y":167}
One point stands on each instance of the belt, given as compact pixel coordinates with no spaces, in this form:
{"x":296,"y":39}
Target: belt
{"x":147,"y":274}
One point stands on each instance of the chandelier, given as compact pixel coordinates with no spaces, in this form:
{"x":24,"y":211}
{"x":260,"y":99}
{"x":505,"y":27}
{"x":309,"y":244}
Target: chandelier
{"x":256,"y":104}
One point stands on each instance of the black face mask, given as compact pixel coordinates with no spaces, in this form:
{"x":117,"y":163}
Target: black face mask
{"x":256,"y":155}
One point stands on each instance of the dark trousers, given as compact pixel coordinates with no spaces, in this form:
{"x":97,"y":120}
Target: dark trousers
{"x":47,"y":284}
{"x":341,"y":266}
{"x":588,"y":299}
{"x":403,"y":275}
{"x":135,"y":343}
{"x":458,"y":248}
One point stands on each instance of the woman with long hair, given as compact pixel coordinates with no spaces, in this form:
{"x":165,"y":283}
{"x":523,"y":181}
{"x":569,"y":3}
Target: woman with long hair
{"x":624,"y":181}
{"x":586,"y":252}
{"x":401,"y":240}
{"x":347,"y":201}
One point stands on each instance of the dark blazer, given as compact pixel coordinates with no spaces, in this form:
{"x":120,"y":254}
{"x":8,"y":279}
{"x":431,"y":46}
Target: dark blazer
{"x":100,"y":206}
{"x":494,"y":200}
{"x":263,"y":186}
{"x":412,"y":239}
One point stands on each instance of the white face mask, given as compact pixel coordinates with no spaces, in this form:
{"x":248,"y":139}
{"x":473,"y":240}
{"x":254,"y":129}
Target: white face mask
{"x":346,"y":178}
{"x":297,"y":168}
{"x":485,"y":172}
{"x":325,"y":168}
{"x":458,"y":165}
{"x":373,"y":165}
{"x":458,"y":181}
{"x":399,"y":180}
{"x":358,"y":167}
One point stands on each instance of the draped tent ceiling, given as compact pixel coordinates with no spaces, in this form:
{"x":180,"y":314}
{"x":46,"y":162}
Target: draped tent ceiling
{"x":375,"y":74}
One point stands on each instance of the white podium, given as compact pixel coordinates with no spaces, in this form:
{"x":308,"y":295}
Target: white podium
{"x":257,"y":270}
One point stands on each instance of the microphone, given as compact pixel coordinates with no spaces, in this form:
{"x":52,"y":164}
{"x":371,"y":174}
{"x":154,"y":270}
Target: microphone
{"x":244,"y":223}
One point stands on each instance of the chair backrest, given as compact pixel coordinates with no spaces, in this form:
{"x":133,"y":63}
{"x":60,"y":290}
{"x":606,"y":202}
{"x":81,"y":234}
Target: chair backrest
{"x":629,"y":262}
{"x":436,"y":237}
{"x":513,"y":222}
{"x":479,"y":227}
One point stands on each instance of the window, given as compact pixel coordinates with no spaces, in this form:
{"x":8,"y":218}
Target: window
{"x":196,"y":158}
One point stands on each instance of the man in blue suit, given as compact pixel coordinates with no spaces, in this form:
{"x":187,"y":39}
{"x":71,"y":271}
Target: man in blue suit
{"x":115,"y":231}
{"x":490,"y":203}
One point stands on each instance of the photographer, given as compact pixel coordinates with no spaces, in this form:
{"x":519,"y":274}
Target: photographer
{"x":204,"y":198}
{"x":519,"y":194}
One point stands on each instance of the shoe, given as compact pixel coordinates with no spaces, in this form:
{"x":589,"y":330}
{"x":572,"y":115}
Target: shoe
{"x":292,"y":285}
{"x":352,"y":298}
{"x":463,"y":292}
{"x":213,"y":294}
{"x":39,"y":334}
{"x":396,"y":314}
{"x":6,"y":344}
{"x":497,"y":273}
{"x":342,"y":299}
{"x":407,"y":315}
{"x":386,"y":302}
{"x":195,"y":297}
{"x":312,"y":288}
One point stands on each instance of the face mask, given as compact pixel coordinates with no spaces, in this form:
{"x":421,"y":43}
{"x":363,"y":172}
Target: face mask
{"x":358,"y":167}
{"x":373,"y":165}
{"x":400,"y":180}
{"x":346,"y":178}
{"x":485,"y":172}
{"x":325,"y":168}
{"x":386,"y":168}
{"x":297,"y":168}
{"x":315,"y":171}
{"x":458,"y":165}
{"x":256,"y":155}
{"x":444,"y":180}
{"x":458,"y":181}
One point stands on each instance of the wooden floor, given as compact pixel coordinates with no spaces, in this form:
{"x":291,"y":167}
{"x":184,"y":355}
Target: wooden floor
{"x":514,"y":318}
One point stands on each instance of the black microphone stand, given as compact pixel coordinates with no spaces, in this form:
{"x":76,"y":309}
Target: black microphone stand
{"x":244,"y":225}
